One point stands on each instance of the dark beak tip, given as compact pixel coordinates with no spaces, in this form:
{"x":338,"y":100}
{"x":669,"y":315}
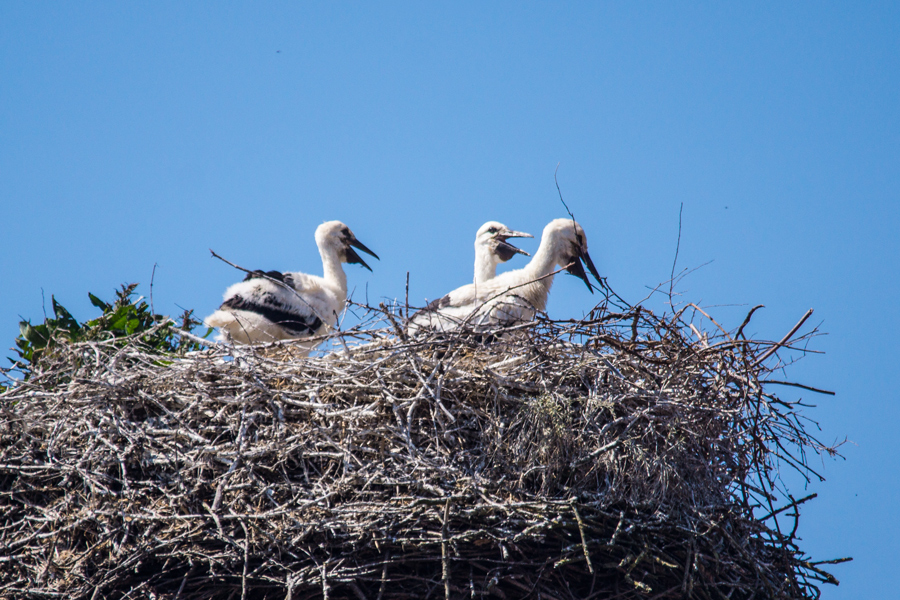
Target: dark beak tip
{"x":590,"y":264}
{"x":576,"y":268}
{"x":357,"y":244}
{"x":363,"y":263}
{"x":352,"y":258}
{"x":506,"y":251}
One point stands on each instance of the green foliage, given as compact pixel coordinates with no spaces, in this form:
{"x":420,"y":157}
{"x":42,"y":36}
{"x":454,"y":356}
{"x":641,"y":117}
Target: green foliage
{"x":126,"y":320}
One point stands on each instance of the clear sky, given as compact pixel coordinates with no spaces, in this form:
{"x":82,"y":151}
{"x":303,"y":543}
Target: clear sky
{"x":134,"y":134}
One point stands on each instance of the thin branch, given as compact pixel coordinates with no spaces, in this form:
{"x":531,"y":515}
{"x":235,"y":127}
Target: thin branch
{"x":152,"y":277}
{"x":675,"y":261}
{"x":784,"y":340}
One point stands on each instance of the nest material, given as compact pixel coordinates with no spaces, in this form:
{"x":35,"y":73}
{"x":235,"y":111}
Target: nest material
{"x":622,"y":456}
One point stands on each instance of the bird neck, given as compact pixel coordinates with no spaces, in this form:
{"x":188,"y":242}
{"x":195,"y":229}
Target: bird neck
{"x":538,"y":271}
{"x":333,"y":271}
{"x":544,"y":260}
{"x":485,"y":267}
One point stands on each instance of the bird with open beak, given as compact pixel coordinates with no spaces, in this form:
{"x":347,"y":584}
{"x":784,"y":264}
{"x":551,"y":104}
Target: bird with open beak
{"x":514,"y":296}
{"x":492,"y":248}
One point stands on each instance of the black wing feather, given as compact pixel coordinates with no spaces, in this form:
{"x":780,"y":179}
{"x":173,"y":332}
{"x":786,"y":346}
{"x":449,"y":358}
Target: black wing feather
{"x":437,"y":304}
{"x":257,"y":274}
{"x":269,"y":307}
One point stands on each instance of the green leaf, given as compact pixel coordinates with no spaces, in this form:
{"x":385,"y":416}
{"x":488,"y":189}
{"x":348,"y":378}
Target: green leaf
{"x":36,"y":336}
{"x":133,"y":325}
{"x":98,"y":302}
{"x":127,"y":316}
{"x":64,"y":319}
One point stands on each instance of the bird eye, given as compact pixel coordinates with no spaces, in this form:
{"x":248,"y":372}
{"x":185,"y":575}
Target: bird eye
{"x":493,"y":230}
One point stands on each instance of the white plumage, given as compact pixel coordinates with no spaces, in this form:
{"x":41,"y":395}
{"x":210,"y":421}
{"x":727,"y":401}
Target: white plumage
{"x":513,"y":296}
{"x":269,"y":306}
{"x":491,"y":249}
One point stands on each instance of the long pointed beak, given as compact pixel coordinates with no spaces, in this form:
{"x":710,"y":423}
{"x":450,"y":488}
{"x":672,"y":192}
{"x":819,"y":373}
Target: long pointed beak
{"x":353,"y":258}
{"x":509,"y":233}
{"x":505,"y":250}
{"x":587,"y":258}
{"x":577,"y":269}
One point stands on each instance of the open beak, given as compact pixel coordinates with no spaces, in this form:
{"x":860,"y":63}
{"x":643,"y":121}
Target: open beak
{"x":505,"y":250}
{"x":503,"y":235}
{"x":353,"y":258}
{"x":576,"y":268}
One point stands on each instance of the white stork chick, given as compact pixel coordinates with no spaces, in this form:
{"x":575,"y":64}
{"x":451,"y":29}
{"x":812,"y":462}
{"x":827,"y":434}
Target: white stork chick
{"x":269,"y":306}
{"x":491,"y":249}
{"x":514,"y":296}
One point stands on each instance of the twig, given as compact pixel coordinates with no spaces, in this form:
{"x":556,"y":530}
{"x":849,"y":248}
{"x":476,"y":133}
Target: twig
{"x":784,"y":340}
{"x":152,"y":277}
{"x":587,"y":554}
{"x":793,"y":504}
{"x":740,"y":330}
{"x":559,"y":191}
{"x":799,"y":385}
{"x":246,"y":561}
{"x":675,"y":260}
{"x":445,"y":552}
{"x":384,"y":566}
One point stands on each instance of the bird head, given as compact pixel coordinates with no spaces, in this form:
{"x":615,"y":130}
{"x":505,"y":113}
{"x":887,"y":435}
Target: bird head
{"x":493,"y":235}
{"x":571,"y":250}
{"x":338,"y":236}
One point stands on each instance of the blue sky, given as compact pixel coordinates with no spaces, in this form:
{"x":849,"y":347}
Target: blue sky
{"x":147,"y":133}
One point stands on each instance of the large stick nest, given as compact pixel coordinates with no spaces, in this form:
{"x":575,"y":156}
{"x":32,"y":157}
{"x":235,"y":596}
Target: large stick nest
{"x":621,"y":456}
